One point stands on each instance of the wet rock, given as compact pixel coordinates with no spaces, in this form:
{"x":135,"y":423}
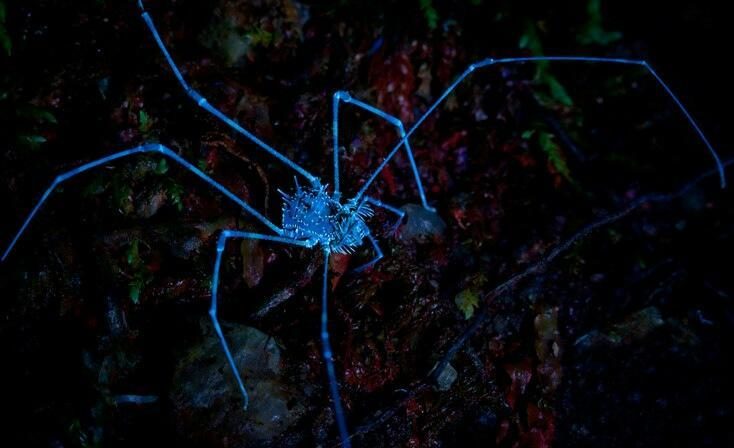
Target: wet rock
{"x":207,"y":403}
{"x":633,"y":328}
{"x":446,"y":377}
{"x":420,"y":223}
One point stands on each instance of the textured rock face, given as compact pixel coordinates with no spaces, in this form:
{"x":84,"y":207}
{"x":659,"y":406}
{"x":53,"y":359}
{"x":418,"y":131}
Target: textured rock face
{"x":421,"y":224}
{"x":206,"y":402}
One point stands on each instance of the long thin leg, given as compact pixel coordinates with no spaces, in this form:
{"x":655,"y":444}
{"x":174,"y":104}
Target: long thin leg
{"x":128,"y":152}
{"x":327,"y":353}
{"x":492,"y":62}
{"x":388,"y":207}
{"x":378,"y":256}
{"x":201,"y":101}
{"x":221,"y":243}
{"x":348,"y":99}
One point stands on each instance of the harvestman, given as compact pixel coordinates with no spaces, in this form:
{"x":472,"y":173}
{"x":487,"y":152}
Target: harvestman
{"x":312,"y":216}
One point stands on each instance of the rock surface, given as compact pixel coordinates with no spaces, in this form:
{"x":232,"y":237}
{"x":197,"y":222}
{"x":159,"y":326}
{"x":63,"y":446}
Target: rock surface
{"x":207,"y":405}
{"x":421,"y":223}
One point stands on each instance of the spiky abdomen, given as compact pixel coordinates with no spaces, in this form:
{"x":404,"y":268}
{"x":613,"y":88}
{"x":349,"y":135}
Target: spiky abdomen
{"x":350,"y":234}
{"x":312,"y":214}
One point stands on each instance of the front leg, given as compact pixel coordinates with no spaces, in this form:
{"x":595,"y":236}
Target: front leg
{"x":390,"y":208}
{"x":149,"y":148}
{"x":348,"y":99}
{"x":378,"y":256}
{"x":221,"y":243}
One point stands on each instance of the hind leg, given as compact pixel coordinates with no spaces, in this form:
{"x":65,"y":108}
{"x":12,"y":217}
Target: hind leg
{"x":341,"y":420}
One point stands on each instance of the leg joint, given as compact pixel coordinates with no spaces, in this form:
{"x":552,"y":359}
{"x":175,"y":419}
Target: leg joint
{"x":196,"y":96}
{"x":162,"y":149}
{"x":397,"y":123}
{"x":343,"y":96}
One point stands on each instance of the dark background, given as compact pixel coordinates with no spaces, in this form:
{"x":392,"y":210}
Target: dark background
{"x":623,"y":342}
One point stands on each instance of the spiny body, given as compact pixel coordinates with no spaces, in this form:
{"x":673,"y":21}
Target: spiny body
{"x":315,"y":215}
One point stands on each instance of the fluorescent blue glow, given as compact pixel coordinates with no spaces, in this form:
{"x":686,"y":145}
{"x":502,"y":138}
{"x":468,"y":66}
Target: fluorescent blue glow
{"x":128,"y":152}
{"x":492,"y":62}
{"x":378,"y":256}
{"x":390,"y":208}
{"x":378,"y":203}
{"x":201,"y":101}
{"x":335,"y":139}
{"x":347,"y":98}
{"x":221,"y":243}
{"x":327,"y":354}
{"x":312,"y":214}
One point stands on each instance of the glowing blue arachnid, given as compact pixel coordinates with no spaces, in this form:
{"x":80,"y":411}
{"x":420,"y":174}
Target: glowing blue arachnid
{"x":313,"y":216}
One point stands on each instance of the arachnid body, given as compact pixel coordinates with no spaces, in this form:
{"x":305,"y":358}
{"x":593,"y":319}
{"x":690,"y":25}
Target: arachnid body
{"x":315,"y":214}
